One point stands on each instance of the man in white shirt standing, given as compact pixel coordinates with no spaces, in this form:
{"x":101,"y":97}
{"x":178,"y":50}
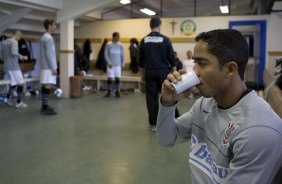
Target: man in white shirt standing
{"x":49,"y":67}
{"x":114,"y":56}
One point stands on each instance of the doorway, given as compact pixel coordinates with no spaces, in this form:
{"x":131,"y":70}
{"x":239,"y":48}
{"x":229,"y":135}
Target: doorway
{"x":254,"y":32}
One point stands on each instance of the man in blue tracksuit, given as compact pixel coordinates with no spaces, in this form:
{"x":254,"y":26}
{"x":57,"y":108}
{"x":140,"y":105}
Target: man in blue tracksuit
{"x":156,"y":59}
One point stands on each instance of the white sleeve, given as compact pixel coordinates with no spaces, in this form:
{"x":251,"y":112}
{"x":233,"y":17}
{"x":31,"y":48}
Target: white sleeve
{"x":122,"y":56}
{"x":171,"y":131}
{"x":50,"y":54}
{"x":15,"y":50}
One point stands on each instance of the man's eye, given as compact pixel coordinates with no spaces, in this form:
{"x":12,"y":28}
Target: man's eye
{"x":201,"y":63}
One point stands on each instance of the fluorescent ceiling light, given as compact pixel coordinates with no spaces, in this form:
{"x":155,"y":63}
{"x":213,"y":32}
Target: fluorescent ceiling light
{"x":224,"y":9}
{"x":148,"y":11}
{"x":277,"y":5}
{"x":125,"y":1}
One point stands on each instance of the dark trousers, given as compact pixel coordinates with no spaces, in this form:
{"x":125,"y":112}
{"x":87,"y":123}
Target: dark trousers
{"x":153,"y":83}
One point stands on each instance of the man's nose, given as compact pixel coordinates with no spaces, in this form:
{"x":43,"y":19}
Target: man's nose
{"x":196,"y":69}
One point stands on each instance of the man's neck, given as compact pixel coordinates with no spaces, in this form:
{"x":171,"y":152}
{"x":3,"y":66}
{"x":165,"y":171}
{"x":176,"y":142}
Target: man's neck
{"x":231,"y":95}
{"x":156,"y":30}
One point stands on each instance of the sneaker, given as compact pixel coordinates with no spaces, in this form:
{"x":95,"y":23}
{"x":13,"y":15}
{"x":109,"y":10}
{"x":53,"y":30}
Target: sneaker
{"x":152,"y":128}
{"x":21,"y":105}
{"x":117,"y":94}
{"x":28,"y":94}
{"x":48,"y":111}
{"x":108,"y":94}
{"x":8,"y":101}
{"x":85,"y":88}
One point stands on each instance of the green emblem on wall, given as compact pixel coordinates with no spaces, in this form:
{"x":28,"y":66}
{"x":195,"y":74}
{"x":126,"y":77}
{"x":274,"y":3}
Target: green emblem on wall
{"x":188,"y":27}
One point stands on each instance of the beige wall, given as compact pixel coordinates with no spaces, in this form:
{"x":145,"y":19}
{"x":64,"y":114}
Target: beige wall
{"x":140,"y":27}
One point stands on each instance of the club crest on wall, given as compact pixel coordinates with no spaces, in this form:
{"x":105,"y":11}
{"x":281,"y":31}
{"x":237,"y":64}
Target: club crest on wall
{"x":188,"y":27}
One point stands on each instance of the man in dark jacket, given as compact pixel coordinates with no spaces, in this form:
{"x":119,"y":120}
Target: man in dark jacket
{"x":157,"y":58}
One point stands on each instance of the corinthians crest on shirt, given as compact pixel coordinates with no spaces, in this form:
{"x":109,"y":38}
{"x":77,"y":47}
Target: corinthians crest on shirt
{"x":228,"y":132}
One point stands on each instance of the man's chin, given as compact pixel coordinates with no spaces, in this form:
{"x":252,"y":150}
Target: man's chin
{"x":203,"y":92}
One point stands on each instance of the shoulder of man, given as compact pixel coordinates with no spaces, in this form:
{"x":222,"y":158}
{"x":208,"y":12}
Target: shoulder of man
{"x":166,"y":39}
{"x":161,"y":35}
{"x":256,"y":113}
{"x":109,"y":43}
{"x":13,"y":40}
{"x":151,"y":34}
{"x":47,"y":36}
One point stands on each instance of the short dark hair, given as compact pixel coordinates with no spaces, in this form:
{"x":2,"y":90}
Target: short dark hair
{"x":48,"y":22}
{"x":227,"y":45}
{"x":155,"y":22}
{"x":115,"y":34}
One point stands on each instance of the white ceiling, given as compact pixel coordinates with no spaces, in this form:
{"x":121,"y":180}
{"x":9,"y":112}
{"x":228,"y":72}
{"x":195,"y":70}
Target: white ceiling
{"x":28,"y":15}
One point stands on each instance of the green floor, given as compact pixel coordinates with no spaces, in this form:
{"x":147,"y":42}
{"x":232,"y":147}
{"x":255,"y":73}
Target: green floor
{"x":93,"y":140}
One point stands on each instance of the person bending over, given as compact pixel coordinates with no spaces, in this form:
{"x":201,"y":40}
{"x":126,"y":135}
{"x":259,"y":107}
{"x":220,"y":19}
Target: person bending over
{"x":11,"y":57}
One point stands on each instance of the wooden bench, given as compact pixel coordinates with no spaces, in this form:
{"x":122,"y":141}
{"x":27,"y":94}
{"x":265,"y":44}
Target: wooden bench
{"x":100,"y":78}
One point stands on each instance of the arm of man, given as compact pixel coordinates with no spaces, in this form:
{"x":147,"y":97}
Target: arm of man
{"x":171,"y":131}
{"x":141,"y":54}
{"x":50,"y":54}
{"x":106,"y":54}
{"x":140,"y":57}
{"x":15,"y":50}
{"x":1,"y":51}
{"x":257,"y":156}
{"x":171,"y":56}
{"x":122,"y":57}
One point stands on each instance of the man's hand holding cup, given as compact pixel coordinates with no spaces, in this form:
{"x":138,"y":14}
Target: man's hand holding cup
{"x":177,"y":86}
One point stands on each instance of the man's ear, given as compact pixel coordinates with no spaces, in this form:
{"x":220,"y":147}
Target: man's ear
{"x":231,"y":69}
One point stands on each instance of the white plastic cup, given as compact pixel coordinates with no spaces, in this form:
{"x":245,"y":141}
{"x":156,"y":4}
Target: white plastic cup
{"x":188,"y":80}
